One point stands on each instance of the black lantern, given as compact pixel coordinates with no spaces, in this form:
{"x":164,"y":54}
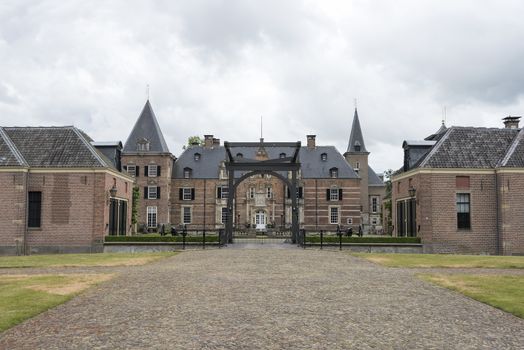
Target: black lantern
{"x":412,"y":191}
{"x":112,"y":191}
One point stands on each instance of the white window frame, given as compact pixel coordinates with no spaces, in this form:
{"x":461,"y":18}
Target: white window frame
{"x":151,"y":172}
{"x":374,"y":204}
{"x":331,"y":215}
{"x":323,"y":157}
{"x":152,"y":215}
{"x":374,"y":221}
{"x":152,"y":192}
{"x":186,"y":194}
{"x":252,"y":192}
{"x":333,"y":173}
{"x":129,"y":167}
{"x":222,"y":196}
{"x":269,"y":192}
{"x":350,"y":221}
{"x":187,"y":173}
{"x":333,"y":194}
{"x":183,"y":215}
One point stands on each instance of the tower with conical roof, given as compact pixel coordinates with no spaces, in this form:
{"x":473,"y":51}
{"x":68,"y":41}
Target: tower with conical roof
{"x":147,"y":157}
{"x":372,"y":188}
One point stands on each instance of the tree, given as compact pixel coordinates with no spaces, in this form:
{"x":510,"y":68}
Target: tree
{"x":194,"y":139}
{"x":134,"y":205}
{"x":387,"y":199}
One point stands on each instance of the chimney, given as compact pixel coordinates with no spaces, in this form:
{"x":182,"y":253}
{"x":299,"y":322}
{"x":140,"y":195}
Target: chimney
{"x":208,"y":141}
{"x":311,"y":143}
{"x":216,"y":142}
{"x":511,"y":122}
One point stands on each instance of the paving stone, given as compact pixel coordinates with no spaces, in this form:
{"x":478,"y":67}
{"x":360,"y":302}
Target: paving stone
{"x":268,"y":299}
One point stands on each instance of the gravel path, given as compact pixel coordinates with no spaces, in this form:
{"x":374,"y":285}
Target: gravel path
{"x":268,"y":299}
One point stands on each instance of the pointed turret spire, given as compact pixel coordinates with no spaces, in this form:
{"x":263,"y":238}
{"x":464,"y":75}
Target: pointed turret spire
{"x":146,"y":135}
{"x":356,"y":140}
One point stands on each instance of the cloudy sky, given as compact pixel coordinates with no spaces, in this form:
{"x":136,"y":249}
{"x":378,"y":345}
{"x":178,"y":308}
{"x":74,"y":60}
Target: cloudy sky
{"x":215,"y":67}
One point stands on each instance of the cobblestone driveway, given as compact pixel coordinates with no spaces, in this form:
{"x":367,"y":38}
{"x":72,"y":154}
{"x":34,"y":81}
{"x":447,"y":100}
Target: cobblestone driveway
{"x":268,"y":299}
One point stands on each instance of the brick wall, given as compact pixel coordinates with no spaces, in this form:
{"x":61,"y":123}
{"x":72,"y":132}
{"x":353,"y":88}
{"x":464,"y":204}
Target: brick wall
{"x":13,"y":211}
{"x":511,"y":189}
{"x":163,"y":181}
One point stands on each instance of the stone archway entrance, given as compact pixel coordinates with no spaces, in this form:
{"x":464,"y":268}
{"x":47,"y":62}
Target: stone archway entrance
{"x":285,"y":168}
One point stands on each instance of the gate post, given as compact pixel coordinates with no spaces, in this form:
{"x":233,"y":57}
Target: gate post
{"x":294,"y":208}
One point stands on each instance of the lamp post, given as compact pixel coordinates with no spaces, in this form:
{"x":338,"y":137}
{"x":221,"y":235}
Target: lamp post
{"x":412,"y":192}
{"x":112,"y":191}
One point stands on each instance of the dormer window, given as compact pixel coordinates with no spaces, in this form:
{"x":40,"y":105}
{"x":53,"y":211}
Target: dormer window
{"x":282,"y":155}
{"x":142,"y":144}
{"x":188,"y":173}
{"x":240,"y":155}
{"x":197,"y":157}
{"x":357,"y":146}
{"x":333,"y":173}
{"x":323,"y":157}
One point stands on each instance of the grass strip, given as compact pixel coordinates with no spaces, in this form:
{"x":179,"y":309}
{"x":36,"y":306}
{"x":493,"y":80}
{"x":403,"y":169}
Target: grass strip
{"x":504,"y":292}
{"x":444,"y":260}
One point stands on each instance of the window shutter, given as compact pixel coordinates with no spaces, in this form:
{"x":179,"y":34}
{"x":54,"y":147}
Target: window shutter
{"x":145,"y":192}
{"x":158,"y":170}
{"x":180,"y":193}
{"x":137,"y":171}
{"x":300,"y":192}
{"x":288,"y":192}
{"x":339,"y":194}
{"x":158,"y":192}
{"x":146,"y":170}
{"x":327,"y":194}
{"x":219,"y":192}
{"x":192,"y":194}
{"x":125,"y":167}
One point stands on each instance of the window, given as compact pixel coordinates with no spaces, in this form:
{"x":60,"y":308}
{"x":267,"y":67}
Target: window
{"x":187,"y":194}
{"x":333,"y":194}
{"x":269,"y":192}
{"x":186,"y":215}
{"x":187,"y":173}
{"x":407,"y":218}
{"x":35,"y":209}
{"x":151,"y":216}
{"x":350,"y":221}
{"x":152,"y":192}
{"x":197,"y":157}
{"x":152,"y":170}
{"x":251,"y":192}
{"x":224,"y":215}
{"x":142,"y":145}
{"x":333,"y":173}
{"x":240,"y":155}
{"x":131,"y":170}
{"x":374,"y":221}
{"x":333,"y":215}
{"x":357,"y":166}
{"x":282,"y":155}
{"x":222,"y":192}
{"x":374,"y":204}
{"x":323,"y":157}
{"x":463,"y":211}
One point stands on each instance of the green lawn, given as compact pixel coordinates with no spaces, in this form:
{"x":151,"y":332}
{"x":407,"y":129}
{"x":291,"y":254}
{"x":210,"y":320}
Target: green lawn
{"x":445,"y":260}
{"x":70,"y":260}
{"x":24,"y":296}
{"x":501,"y":291}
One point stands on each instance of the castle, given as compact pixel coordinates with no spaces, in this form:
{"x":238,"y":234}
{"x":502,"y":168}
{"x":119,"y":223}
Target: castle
{"x":334,"y":190}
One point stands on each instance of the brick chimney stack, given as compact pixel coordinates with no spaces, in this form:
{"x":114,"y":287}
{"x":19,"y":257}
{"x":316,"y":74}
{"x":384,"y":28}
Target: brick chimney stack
{"x":208,"y":141}
{"x":311,"y":142}
{"x":511,"y":122}
{"x":216,"y":142}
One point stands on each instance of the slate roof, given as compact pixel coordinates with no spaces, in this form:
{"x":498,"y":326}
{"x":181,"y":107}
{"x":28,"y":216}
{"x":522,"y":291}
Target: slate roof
{"x":56,"y":147}
{"x":356,"y":137}
{"x":311,"y":164}
{"x":436,"y":136}
{"x":373,"y":179}
{"x":515,"y":156}
{"x":469,"y":147}
{"x":9,"y":155}
{"x":146,"y":127}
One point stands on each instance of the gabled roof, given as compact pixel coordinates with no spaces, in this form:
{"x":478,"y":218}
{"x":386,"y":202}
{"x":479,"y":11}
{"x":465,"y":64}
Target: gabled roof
{"x":469,"y":147}
{"x":54,"y":147}
{"x":356,"y":138}
{"x":9,"y":155}
{"x":373,"y":179}
{"x":207,"y":167}
{"x":146,"y":127}
{"x":514,"y":158}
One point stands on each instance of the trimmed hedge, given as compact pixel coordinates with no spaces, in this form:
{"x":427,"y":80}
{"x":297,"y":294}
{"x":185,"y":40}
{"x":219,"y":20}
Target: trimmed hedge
{"x":178,"y":239}
{"x":335,"y":239}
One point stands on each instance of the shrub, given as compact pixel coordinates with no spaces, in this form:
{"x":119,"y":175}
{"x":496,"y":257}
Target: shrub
{"x":335,"y":239}
{"x":157,"y":238}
